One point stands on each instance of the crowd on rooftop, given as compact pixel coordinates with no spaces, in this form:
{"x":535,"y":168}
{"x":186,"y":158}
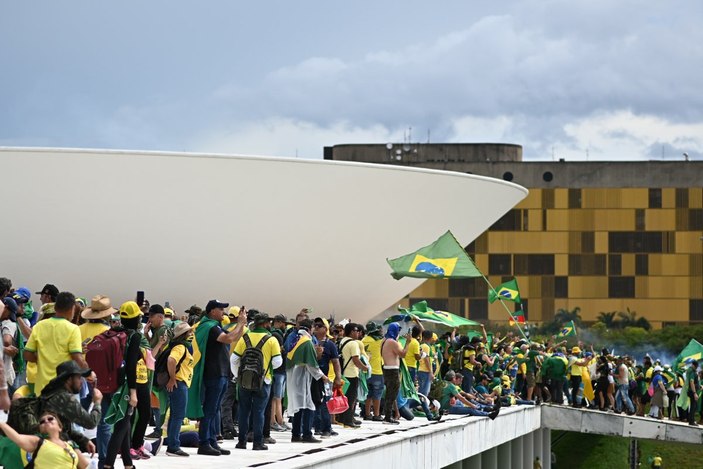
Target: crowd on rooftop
{"x":227,"y":372}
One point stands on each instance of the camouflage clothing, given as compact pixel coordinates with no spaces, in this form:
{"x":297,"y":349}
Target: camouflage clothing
{"x":57,"y":399}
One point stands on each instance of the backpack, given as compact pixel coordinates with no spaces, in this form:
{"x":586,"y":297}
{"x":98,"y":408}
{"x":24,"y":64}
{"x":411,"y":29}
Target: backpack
{"x":161,"y":367}
{"x":24,"y":414}
{"x":436,"y":390}
{"x":105,"y":356}
{"x":458,"y":359}
{"x":251,"y":366}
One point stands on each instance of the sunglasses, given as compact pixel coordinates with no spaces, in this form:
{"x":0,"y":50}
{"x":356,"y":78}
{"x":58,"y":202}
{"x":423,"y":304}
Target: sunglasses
{"x":46,"y":420}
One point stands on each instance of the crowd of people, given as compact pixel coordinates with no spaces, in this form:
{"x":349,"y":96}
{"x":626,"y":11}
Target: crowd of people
{"x":86,"y":377}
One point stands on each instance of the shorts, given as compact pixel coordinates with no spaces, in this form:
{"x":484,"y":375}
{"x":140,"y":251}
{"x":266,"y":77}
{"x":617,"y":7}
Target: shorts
{"x":530,"y":377}
{"x":375,"y":384}
{"x":279,"y":385}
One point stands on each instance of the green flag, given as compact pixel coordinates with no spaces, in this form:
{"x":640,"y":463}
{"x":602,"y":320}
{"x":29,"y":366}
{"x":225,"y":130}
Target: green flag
{"x":506,"y":291}
{"x":693,"y":351}
{"x":423,"y":312}
{"x":445,"y":258}
{"x":568,"y":330}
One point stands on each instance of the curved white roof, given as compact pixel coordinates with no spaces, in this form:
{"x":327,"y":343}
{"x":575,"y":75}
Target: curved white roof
{"x":271,"y":233}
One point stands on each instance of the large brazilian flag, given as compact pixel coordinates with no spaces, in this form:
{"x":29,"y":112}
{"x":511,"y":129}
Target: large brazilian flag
{"x":445,"y":258}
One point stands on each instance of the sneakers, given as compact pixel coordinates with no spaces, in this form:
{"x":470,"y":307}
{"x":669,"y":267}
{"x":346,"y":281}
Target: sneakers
{"x":143,"y":454}
{"x":310,"y":439}
{"x":241,"y":445}
{"x":155,"y":434}
{"x":325,"y":435}
{"x":208,"y":450}
{"x":391,"y":422}
{"x":134,"y":454}
{"x":296,"y":439}
{"x":230,"y":434}
{"x":278,"y":428}
{"x":177,"y":452}
{"x":261,"y":447}
{"x":269,"y":440}
{"x":357,"y":422}
{"x":155,"y":446}
{"x":377,"y":418}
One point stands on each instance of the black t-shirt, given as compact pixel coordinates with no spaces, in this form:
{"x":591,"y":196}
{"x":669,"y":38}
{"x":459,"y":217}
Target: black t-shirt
{"x":216,"y":356}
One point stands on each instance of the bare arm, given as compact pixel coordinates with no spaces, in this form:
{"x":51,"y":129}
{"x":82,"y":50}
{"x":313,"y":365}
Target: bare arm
{"x":359,"y":364}
{"x":26,"y":442}
{"x":80,"y":359}
{"x":235,"y":334}
{"x":30,"y":356}
{"x":24,"y":328}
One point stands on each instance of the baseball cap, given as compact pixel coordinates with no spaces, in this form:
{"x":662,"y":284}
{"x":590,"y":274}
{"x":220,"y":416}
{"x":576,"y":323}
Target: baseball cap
{"x":168,"y":312}
{"x":156,"y":309}
{"x":234,"y":311}
{"x":261,"y":318}
{"x":282,"y":318}
{"x":22,"y":295}
{"x":130,"y":310}
{"x":11,"y":304}
{"x":50,"y":290}
{"x":212,"y":304}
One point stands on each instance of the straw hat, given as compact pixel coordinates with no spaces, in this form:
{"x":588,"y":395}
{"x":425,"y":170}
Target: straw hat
{"x":181,"y":329}
{"x":100,"y":307}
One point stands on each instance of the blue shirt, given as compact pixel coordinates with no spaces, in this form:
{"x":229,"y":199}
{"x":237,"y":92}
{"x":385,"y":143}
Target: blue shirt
{"x":329,"y":352}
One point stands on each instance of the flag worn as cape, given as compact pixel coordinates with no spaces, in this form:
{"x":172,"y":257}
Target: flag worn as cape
{"x":194,"y":410}
{"x":445,"y":258}
{"x":302,"y":354}
{"x":568,"y":330}
{"x":507,"y":291}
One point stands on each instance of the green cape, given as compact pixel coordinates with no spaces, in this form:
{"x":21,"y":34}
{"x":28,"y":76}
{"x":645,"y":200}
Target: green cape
{"x":194,"y":410}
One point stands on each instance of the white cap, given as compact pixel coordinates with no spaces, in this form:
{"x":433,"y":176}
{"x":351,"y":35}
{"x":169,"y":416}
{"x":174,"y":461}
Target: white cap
{"x":657,"y":368}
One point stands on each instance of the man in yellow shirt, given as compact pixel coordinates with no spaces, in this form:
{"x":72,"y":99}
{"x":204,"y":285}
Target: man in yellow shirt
{"x":253,"y":402}
{"x":351,"y":364}
{"x":425,"y":374}
{"x":180,"y":375}
{"x":54,"y":341}
{"x":413,"y":354}
{"x":372,"y":345}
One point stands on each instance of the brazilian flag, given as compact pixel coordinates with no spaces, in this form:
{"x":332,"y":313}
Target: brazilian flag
{"x":568,"y":330}
{"x":506,"y":291}
{"x":692,"y":351}
{"x":445,"y":258}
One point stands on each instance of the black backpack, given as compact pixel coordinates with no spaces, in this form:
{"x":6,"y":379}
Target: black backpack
{"x":161,"y":367}
{"x":251,"y":366}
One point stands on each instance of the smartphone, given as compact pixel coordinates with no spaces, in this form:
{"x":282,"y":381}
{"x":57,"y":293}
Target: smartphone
{"x":140,"y":298}
{"x":167,"y":304}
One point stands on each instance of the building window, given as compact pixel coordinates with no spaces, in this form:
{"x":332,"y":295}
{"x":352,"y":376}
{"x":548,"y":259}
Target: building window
{"x":547,"y":198}
{"x":439,"y":304}
{"x":641,"y":264}
{"x":467,"y":288}
{"x":614,"y":264}
{"x":588,"y":242}
{"x":587,"y":264}
{"x":655,"y":198}
{"x":639,"y":219}
{"x":636,"y":241}
{"x":511,"y":221}
{"x":478,"y":309}
{"x":621,"y":287}
{"x":681,"y":198}
{"x":499,"y":264}
{"x":561,"y":287}
{"x":507,"y":176}
{"x":547,"y":176}
{"x":695,"y":219}
{"x":574,"y":198}
{"x":533,"y":264}
{"x":695,"y":310}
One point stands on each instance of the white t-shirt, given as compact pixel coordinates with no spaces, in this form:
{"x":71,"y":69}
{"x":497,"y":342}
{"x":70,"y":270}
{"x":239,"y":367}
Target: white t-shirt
{"x":9,"y":328}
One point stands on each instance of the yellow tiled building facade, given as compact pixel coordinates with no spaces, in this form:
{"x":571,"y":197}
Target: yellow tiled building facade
{"x":614,"y":236}
{"x":597,"y":249}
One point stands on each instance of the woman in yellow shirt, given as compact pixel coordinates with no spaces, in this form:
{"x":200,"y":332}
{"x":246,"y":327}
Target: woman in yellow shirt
{"x":50,"y":452}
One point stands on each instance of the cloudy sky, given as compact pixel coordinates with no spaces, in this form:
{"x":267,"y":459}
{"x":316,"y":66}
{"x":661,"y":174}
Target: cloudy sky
{"x":597,"y":79}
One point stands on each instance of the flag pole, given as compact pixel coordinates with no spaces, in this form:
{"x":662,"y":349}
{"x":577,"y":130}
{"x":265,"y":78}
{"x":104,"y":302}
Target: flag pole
{"x":506,"y":308}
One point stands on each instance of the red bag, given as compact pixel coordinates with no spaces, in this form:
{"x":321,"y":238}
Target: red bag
{"x":338,"y":403}
{"x":105,"y":356}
